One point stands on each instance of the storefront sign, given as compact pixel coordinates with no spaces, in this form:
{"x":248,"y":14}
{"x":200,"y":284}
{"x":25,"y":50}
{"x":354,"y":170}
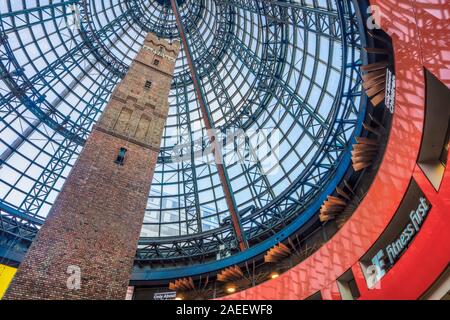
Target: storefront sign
{"x":395,"y":248}
{"x":390,"y":91}
{"x":165,"y":295}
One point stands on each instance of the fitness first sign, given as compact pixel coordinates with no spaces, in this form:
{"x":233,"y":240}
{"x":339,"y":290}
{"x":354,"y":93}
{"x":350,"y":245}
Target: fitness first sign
{"x":387,"y":257}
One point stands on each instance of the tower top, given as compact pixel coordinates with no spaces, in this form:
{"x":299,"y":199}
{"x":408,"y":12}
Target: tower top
{"x":167,"y":48}
{"x":159,"y":54}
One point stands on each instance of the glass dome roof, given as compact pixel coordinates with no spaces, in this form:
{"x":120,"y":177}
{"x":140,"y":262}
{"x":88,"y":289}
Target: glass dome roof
{"x":284,"y":67}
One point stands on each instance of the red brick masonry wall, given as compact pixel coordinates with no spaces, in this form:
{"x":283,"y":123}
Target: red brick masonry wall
{"x":95,"y":223}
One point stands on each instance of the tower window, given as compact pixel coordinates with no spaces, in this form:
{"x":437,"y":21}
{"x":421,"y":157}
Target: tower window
{"x":156,"y":62}
{"x":121,"y":156}
{"x":148,"y":85}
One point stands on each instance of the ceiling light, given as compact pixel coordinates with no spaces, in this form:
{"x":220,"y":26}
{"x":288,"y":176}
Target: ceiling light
{"x":274,"y":275}
{"x":231,"y":289}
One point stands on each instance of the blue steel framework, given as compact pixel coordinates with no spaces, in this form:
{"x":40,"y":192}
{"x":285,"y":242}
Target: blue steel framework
{"x":291,"y":66}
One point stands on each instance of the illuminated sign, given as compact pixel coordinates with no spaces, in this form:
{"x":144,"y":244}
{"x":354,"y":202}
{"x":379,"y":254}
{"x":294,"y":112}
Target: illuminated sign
{"x":6,"y":275}
{"x":389,"y":100}
{"x":394,"y":249}
{"x":171,"y":295}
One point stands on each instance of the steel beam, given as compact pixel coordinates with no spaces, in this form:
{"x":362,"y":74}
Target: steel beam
{"x":311,"y":18}
{"x":216,"y":149}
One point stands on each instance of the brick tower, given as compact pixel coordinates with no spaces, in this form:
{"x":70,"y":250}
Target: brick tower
{"x":87,"y":246}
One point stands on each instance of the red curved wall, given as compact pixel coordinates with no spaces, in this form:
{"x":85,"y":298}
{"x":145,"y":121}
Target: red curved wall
{"x":421,"y":36}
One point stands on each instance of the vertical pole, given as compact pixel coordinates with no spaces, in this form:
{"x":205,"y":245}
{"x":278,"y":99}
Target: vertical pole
{"x":216,"y":150}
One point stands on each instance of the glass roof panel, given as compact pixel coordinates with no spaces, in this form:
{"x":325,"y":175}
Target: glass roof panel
{"x":276,"y":71}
